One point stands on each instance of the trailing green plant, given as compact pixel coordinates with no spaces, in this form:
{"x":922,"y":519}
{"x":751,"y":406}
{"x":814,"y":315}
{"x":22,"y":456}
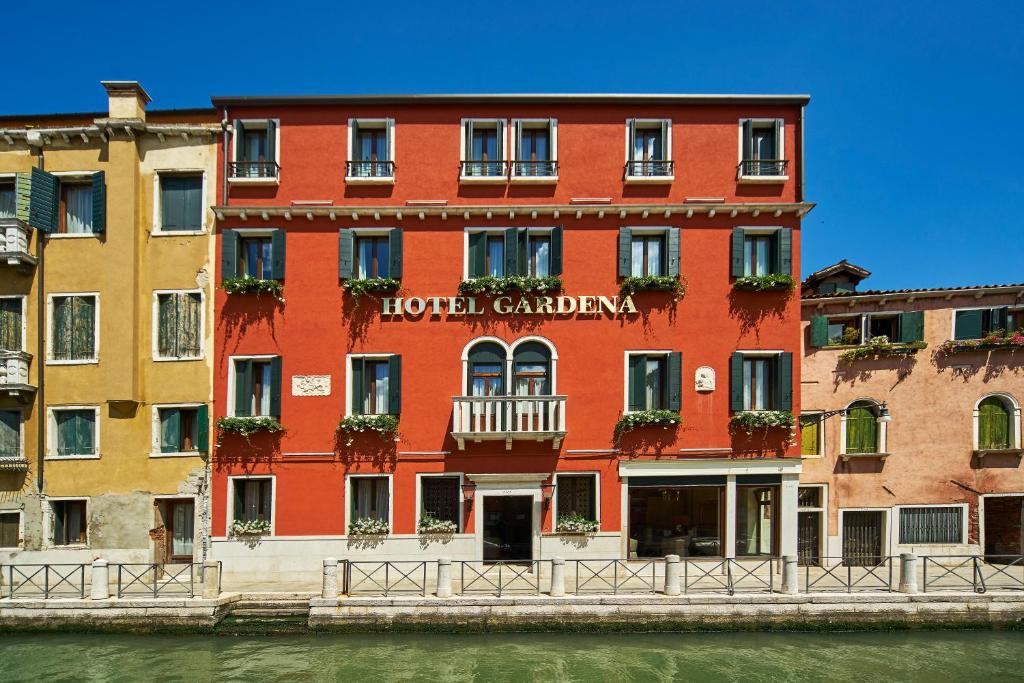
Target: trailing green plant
{"x":998,"y":339}
{"x":249,"y":425}
{"x":666,"y":419}
{"x":365,"y":526}
{"x":880,"y":346}
{"x":576,"y":524}
{"x":250,"y":527}
{"x":749,"y":420}
{"x":523,"y":284}
{"x":385,"y":425}
{"x":654,"y":283}
{"x":429,"y":524}
{"x":360,"y":287}
{"x":760,"y":283}
{"x":252,"y":285}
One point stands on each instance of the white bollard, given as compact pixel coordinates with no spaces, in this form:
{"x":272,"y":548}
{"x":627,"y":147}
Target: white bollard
{"x":330,"y":583}
{"x":557,"y":577}
{"x":100,"y":580}
{"x":444,"y":577}
{"x":672,"y":575}
{"x":211,"y":580}
{"x":908,"y":573}
{"x":790,"y":574}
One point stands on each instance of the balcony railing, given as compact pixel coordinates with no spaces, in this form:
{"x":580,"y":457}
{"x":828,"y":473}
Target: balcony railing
{"x":254,"y":169}
{"x":483,"y":418}
{"x":763,"y":168}
{"x":14,"y":250}
{"x":370,"y":169}
{"x":649,"y":169}
{"x":534,"y":169}
{"x":14,"y":380}
{"x":484,"y":169}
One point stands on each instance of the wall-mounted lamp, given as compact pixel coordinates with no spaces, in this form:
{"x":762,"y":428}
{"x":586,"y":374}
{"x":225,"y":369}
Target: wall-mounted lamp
{"x":883,"y":413}
{"x":547,"y":492}
{"x":468,"y":491}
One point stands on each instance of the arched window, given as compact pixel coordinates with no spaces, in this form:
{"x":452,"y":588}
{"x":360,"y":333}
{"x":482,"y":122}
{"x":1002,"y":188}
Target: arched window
{"x":531,"y":368}
{"x":995,"y":424}
{"x":486,"y":376}
{"x":862,"y":431}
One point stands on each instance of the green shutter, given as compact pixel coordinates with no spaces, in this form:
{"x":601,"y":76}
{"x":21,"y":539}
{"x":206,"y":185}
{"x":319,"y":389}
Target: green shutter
{"x":784,"y":251}
{"x":632,"y":150}
{"x":477,"y":254}
{"x":271,"y":140}
{"x":394,"y":384}
{"x":237,"y":489}
{"x":625,"y":252}
{"x":171,"y":206}
{"x":637,"y":368}
{"x":167,"y":325}
{"x":170,"y":430}
{"x":779,"y":152}
{"x":746,"y":139}
{"x":523,"y":248}
{"x":277,"y":254}
{"x":192,"y":203}
{"x":23,"y":196}
{"x":993,"y":424}
{"x":275,"y":386}
{"x":784,"y":381}
{"x":969,"y":324}
{"x":203,"y":428}
{"x":736,"y":382}
{"x":912,"y":326}
{"x":44,"y":201}
{"x":239,"y":140}
{"x":228,"y":254}
{"x":511,"y":251}
{"x":861,"y":430}
{"x":243,"y":388}
{"x":675,"y":380}
{"x":358,"y":396}
{"x":395,"y":253}
{"x":99,"y":202}
{"x":673,"y":251}
{"x":819,"y":331}
{"x":346,"y":262}
{"x":556,"y":250}
{"x":738,"y":237}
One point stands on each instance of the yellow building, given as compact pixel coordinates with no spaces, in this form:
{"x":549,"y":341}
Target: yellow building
{"x":105,"y":336}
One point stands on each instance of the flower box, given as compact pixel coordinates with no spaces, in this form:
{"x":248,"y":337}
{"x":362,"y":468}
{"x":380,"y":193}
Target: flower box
{"x":371,"y":285}
{"x":762,"y":283}
{"x":384,"y":425}
{"x":246,"y":426}
{"x":881,"y":347}
{"x":653,"y":283}
{"x":666,"y":419}
{"x":998,"y":341}
{"x":250,"y":527}
{"x":252,"y":285}
{"x":749,"y":420}
{"x":510,"y":284}
{"x":429,"y":525}
{"x":364,"y":526}
{"x":577,"y":525}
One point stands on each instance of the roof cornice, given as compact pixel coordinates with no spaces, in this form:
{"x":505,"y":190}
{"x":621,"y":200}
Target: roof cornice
{"x":913,"y":294}
{"x":506,"y":98}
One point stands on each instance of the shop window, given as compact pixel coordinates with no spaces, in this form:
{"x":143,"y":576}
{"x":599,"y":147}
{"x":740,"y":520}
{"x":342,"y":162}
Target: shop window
{"x":679,"y":520}
{"x":757,"y":514}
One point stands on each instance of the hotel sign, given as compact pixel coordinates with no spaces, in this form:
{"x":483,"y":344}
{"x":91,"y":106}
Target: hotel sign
{"x":507,"y":305}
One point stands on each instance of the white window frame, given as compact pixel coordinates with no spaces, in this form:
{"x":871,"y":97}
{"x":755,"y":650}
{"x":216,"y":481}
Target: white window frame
{"x":155,"y":451}
{"x":50,"y":360}
{"x":898,"y":512}
{"x":883,"y":427}
{"x":277,"y":151}
{"x":823,"y":510}
{"x":780,"y":149}
{"x":230,"y":517}
{"x":642,"y":122}
{"x":51,"y":434}
{"x":502,"y":147}
{"x":155,"y":331}
{"x":389,"y":127}
{"x":21,"y":431}
{"x":625,"y":372}
{"x":886,"y":526}
{"x":24,"y":318}
{"x":517,"y":132}
{"x":231,"y":377}
{"x":349,"y":357}
{"x":391,"y":498}
{"x":420,"y":476}
{"x":509,"y":349}
{"x":596,"y":475}
{"x":158,"y":230}
{"x":21,"y":530}
{"x":1015,"y":418}
{"x":78,"y":177}
{"x":821,"y":432}
{"x":50,"y":521}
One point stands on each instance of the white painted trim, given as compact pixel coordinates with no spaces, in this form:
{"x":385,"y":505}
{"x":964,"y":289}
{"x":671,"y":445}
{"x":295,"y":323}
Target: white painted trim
{"x":155,"y":451}
{"x":625,"y":371}
{"x":1015,"y":417}
{"x":21,"y":529}
{"x":709,"y":466}
{"x":667,"y":147}
{"x":822,"y":510}
{"x":51,"y":433}
{"x":500,"y":485}
{"x":389,"y":127}
{"x":157,"y":230}
{"x":348,"y":375}
{"x":230,"y":517}
{"x":597,"y":494}
{"x":517,"y":129}
{"x":24,"y":317}
{"x":420,"y":476}
{"x":50,"y":335}
{"x":155,"y":325}
{"x":897,"y":512}
{"x":350,"y":499}
{"x":780,"y":149}
{"x":230,"y":398}
{"x":263,"y":122}
{"x":504,"y":156}
{"x":886,"y":526}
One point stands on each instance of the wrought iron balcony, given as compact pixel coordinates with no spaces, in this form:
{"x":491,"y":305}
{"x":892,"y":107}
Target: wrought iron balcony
{"x":14,"y":250}
{"x":763,"y":168}
{"x":534,"y":169}
{"x":14,"y":379}
{"x":484,"y":169}
{"x":505,"y":418}
{"x":649,"y":169}
{"x":254,"y":169}
{"x":370,"y":169}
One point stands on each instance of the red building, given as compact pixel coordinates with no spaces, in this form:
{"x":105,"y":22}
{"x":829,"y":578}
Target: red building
{"x":507,"y":403}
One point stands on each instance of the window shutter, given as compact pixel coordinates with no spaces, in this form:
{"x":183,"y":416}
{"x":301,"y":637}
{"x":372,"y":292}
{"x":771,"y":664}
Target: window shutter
{"x":271,"y":140}
{"x":477,"y":254}
{"x":736,"y":382}
{"x":738,"y":236}
{"x":912,"y":326}
{"x":277,"y":254}
{"x":468,"y":154}
{"x":784,"y":251}
{"x":99,"y":202}
{"x":275,"y":386}
{"x":192,"y":203}
{"x":395,"y":253}
{"x":170,"y":430}
{"x":511,"y":251}
{"x":238,"y":140}
{"x":625,"y":252}
{"x":171,"y":204}
{"x":819,"y":331}
{"x":746,"y":139}
{"x":675,"y":380}
{"x":523,"y":259}
{"x":243,"y":387}
{"x":228,"y":254}
{"x":779,"y":152}
{"x":346,"y":263}
{"x":358,"y":407}
{"x":501,"y":140}
{"x":394,"y":384}
{"x":631,"y":141}
{"x":556,"y":250}
{"x":635,"y":390}
{"x":389,"y":128}
{"x":22,"y":195}
{"x":203,"y":428}
{"x":517,"y":140}
{"x":784,"y":381}
{"x":968,"y":324}
{"x":673,"y":251}
{"x":237,"y":486}
{"x":44,"y":201}
{"x":666,"y":150}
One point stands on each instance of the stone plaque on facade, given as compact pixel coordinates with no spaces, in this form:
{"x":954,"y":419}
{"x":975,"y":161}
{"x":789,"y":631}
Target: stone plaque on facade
{"x":704,"y":378}
{"x":311,"y":385}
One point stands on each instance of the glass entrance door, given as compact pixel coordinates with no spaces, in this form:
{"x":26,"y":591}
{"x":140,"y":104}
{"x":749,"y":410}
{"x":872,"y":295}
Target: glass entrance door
{"x":508,"y":528}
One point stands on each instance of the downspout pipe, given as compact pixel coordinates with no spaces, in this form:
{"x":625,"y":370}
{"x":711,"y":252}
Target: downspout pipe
{"x":40,"y":347}
{"x":224,"y":159}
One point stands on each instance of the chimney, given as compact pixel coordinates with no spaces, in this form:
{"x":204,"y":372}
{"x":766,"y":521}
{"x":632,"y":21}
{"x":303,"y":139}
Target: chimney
{"x":126,"y":99}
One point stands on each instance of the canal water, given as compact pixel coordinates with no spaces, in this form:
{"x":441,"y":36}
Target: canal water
{"x":989,"y":656}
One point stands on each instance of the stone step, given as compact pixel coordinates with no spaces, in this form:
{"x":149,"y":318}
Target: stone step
{"x":270,"y":604}
{"x":269,"y":612}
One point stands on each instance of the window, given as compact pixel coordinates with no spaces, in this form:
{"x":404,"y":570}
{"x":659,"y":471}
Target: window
{"x":850,"y":330}
{"x":376,"y":385}
{"x":75,"y":208}
{"x":810,"y":434}
{"x":74,"y":431}
{"x":372,"y":257}
{"x":72,"y":204}
{"x":648,"y":252}
{"x":483,"y":148}
{"x":255,"y":149}
{"x":757,"y":520}
{"x":181,"y":202}
{"x":577,"y":495}
{"x":758,"y":383}
{"x":534,"y":252}
{"x":538,"y":255}
{"x":534,"y":149}
{"x":762,"y":251}
{"x":70,"y":523}
{"x":762,"y":148}
{"x":654,"y":381}
{"x":370,"y":498}
{"x":439,"y":498}
{"x":10,"y":434}
{"x":761,"y":381}
{"x":179,"y":325}
{"x":371,"y":155}
{"x":183,"y":429}
{"x":883,"y":325}
{"x":12,"y":324}
{"x":757,"y":254}
{"x":644,"y":252}
{"x":931,"y":525}
{"x":685,"y":519}
{"x":258,"y":387}
{"x":74,"y":327}
{"x":10,"y":529}
{"x":862,"y":430}
{"x":8,"y":201}
{"x":260,"y":255}
{"x":844,"y":330}
{"x":368,"y":254}
{"x":810,"y":524}
{"x":650,"y":144}
{"x":254,"y":257}
{"x":253,"y":499}
{"x":978,"y":322}
{"x":996,"y":422}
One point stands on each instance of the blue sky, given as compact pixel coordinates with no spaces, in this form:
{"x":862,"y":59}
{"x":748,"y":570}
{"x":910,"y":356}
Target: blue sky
{"x":910,"y":130}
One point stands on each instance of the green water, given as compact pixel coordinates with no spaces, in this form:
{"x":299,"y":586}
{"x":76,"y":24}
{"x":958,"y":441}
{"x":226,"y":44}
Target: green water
{"x":904,"y":656}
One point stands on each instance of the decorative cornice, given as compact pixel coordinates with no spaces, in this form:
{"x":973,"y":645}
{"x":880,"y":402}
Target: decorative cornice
{"x":105,"y":129}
